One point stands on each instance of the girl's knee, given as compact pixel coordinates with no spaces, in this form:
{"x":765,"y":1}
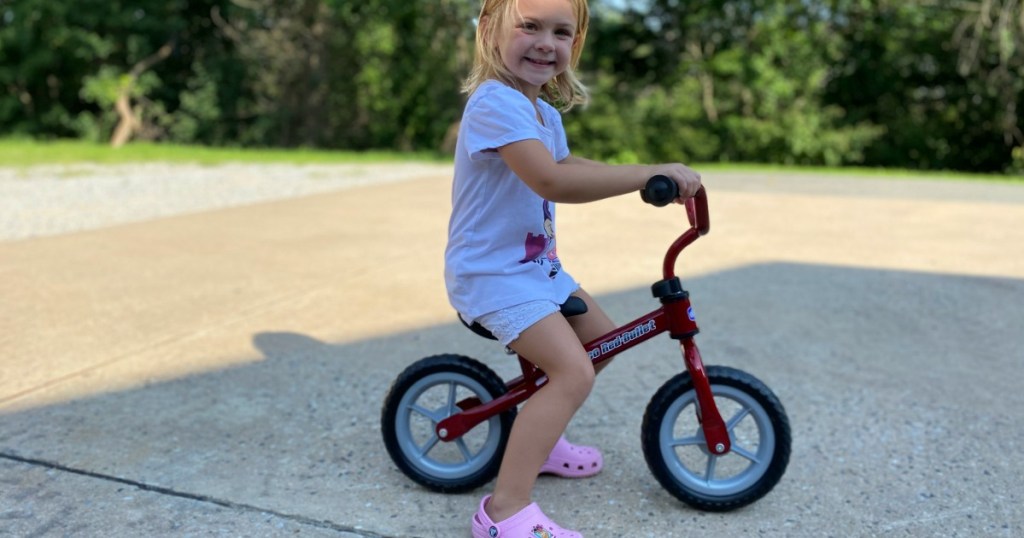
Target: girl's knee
{"x":576,"y":381}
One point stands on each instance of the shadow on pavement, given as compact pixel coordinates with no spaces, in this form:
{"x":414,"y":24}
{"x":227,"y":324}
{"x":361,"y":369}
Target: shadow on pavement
{"x":902,"y":389}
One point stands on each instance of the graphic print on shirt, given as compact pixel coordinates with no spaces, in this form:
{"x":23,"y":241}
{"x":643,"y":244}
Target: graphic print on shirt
{"x":539,"y":244}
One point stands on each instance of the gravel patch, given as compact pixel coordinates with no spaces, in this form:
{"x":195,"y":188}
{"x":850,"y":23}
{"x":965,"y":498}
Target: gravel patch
{"x":50,"y":200}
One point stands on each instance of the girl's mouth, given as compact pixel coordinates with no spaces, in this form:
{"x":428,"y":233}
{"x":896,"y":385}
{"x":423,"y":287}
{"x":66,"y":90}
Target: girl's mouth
{"x":543,"y":63}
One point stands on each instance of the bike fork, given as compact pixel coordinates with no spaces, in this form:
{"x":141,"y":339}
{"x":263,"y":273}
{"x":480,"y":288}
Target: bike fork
{"x":716,"y":435}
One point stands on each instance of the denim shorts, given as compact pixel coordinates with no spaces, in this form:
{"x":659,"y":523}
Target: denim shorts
{"x":507,"y":324}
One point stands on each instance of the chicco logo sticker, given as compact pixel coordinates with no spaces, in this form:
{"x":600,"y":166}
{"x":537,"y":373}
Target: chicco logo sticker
{"x":689,"y":312}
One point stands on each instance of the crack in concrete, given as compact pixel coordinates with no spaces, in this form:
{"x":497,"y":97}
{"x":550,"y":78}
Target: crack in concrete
{"x":303,"y":520}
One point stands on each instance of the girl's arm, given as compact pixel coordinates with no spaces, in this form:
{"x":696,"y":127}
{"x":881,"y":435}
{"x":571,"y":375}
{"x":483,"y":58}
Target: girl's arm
{"x":572,"y":159}
{"x":577,"y":180}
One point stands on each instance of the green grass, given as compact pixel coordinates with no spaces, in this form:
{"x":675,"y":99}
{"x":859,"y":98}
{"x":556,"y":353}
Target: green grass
{"x":22,"y":153}
{"x":858,"y":171}
{"x":16,"y":152}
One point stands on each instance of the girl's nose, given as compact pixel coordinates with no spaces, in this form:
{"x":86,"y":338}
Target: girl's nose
{"x":545,"y":42}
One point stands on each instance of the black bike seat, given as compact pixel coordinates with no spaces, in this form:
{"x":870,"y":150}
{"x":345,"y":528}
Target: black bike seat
{"x":573,"y":306}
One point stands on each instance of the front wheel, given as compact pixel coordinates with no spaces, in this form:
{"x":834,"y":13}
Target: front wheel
{"x":428,"y":392}
{"x":674,"y":447}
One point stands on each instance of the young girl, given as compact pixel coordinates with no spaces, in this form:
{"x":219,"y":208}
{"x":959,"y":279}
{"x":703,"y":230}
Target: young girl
{"x":512,"y":165}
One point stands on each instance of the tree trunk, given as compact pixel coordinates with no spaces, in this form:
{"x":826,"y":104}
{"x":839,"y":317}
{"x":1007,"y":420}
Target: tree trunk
{"x":129,"y":121}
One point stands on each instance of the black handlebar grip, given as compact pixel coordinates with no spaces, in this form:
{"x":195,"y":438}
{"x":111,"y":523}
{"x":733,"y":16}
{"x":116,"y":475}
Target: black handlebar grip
{"x":660,"y":191}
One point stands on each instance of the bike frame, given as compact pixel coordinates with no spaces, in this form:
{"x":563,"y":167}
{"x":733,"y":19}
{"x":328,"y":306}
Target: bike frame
{"x":675,"y":316}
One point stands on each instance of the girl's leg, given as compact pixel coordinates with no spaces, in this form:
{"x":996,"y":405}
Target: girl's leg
{"x":593,"y":324}
{"x":553,"y":346}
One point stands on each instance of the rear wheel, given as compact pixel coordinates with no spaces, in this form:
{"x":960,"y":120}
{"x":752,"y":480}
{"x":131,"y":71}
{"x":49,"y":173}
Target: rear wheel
{"x":425,"y":394}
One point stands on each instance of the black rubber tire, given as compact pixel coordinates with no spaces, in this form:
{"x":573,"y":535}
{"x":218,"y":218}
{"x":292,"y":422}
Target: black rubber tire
{"x":421,"y":376}
{"x":768,"y":418}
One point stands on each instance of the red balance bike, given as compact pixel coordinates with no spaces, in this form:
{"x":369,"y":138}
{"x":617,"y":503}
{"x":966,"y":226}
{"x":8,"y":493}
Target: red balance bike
{"x":715,"y":437}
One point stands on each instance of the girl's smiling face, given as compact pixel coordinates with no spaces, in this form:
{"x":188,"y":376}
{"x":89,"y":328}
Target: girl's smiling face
{"x":538,"y":46}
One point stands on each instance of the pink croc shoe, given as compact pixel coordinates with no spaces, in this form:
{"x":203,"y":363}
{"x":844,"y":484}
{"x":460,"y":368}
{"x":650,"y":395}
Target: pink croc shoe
{"x":570,"y":461}
{"x":529,"y":522}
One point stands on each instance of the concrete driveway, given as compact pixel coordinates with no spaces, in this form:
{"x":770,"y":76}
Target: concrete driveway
{"x":222,"y":373}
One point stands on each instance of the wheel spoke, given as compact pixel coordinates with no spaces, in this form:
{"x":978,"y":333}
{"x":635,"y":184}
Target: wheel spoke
{"x":461,"y":443}
{"x":452,"y":407}
{"x":740,"y":415}
{"x":428,"y":446}
{"x":434,"y":416}
{"x":709,"y":471}
{"x":687,"y":441}
{"x":740,"y":451}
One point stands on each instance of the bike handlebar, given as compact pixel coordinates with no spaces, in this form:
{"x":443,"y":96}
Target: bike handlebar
{"x":662,"y":190}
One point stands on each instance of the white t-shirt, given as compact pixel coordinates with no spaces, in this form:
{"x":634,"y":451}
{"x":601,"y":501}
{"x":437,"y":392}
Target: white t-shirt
{"x":501,"y":235}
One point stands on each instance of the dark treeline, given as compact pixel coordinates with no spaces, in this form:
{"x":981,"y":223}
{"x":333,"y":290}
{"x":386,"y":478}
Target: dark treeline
{"x":925,"y":84}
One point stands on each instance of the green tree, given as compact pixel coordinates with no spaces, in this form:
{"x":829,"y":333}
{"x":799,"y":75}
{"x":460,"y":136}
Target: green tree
{"x":281,"y":47}
{"x":990,"y":39}
{"x":356,"y":75}
{"x":65,"y":66}
{"x":399,"y":84}
{"x":920,"y":83}
{"x":730,"y":80}
{"x":899,"y":67}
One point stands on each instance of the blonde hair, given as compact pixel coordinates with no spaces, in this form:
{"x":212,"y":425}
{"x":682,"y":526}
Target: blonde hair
{"x":564,"y":91}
